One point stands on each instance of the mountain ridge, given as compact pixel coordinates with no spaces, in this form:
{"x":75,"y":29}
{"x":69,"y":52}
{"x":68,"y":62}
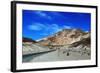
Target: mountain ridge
{"x":66,"y":36}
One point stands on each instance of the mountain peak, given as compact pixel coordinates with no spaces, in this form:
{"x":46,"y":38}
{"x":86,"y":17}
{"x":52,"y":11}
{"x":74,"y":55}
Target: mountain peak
{"x":66,"y":36}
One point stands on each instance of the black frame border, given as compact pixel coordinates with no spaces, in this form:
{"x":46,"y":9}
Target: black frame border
{"x":13,"y":35}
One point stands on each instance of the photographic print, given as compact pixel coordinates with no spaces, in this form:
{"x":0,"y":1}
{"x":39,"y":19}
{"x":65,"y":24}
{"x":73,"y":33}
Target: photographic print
{"x":47,"y":36}
{"x":56,"y":36}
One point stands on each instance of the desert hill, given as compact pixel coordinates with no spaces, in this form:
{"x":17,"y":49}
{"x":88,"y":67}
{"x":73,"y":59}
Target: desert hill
{"x":73,"y":37}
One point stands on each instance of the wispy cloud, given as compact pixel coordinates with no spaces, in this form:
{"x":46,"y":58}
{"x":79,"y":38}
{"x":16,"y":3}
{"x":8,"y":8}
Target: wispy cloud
{"x":55,"y":28}
{"x":67,"y":27}
{"x":43,"y":14}
{"x":47,"y":29}
{"x":36,"y":26}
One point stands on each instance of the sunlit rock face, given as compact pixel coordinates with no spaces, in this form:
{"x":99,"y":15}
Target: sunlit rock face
{"x":66,"y":37}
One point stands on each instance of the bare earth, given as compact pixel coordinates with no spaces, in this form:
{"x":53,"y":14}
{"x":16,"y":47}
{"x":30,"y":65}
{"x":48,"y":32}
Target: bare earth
{"x":57,"y":55}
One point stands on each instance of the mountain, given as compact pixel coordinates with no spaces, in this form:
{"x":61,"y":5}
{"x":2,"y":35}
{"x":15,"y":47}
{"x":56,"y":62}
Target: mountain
{"x":84,"y":42}
{"x":28,"y":40}
{"x":68,"y":37}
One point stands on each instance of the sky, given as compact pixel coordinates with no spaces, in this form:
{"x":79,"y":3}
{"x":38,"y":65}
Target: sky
{"x":40,"y":24}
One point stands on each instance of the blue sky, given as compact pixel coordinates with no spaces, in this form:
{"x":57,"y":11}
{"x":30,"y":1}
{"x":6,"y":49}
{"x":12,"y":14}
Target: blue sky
{"x":40,"y":24}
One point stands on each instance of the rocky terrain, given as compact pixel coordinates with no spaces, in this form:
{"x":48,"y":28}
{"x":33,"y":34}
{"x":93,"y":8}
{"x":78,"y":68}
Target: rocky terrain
{"x":69,"y":37}
{"x":68,"y":44}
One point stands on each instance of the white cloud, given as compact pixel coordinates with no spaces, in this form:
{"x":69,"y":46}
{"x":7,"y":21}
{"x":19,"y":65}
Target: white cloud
{"x":55,"y":28}
{"x":36,"y":26}
{"x":43,"y":14}
{"x":67,"y":27}
{"x":47,"y":29}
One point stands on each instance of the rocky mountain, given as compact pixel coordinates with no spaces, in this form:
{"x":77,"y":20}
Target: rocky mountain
{"x":71,"y":37}
{"x":68,"y":44}
{"x":84,"y":42}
